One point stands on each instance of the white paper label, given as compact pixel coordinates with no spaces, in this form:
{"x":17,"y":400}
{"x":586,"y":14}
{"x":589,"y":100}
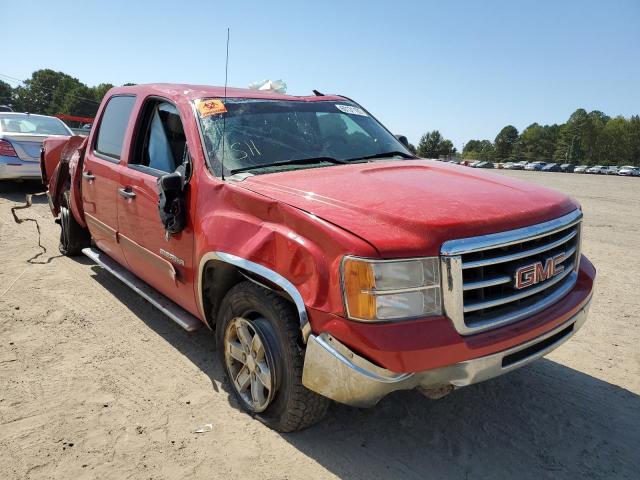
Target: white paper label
{"x":351,"y":110}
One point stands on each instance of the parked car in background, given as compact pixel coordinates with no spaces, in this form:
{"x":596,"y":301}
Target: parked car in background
{"x":21,"y":136}
{"x":5,"y":108}
{"x":535,"y":166}
{"x":475,"y":163}
{"x":484,"y":165}
{"x":629,"y":171}
{"x":581,"y":169}
{"x":518,"y":166}
{"x":612,"y":170}
{"x":567,"y":167}
{"x":551,"y":167}
{"x":597,"y":169}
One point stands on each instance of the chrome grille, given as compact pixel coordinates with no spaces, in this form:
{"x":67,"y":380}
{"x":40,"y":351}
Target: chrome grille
{"x":478,"y":273}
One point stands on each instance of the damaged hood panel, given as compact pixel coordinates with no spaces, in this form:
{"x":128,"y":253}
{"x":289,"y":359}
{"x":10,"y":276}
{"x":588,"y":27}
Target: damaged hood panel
{"x":411,"y":207}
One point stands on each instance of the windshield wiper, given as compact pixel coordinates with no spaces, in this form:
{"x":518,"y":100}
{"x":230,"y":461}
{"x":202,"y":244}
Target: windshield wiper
{"x":295,"y":161}
{"x":384,"y":155}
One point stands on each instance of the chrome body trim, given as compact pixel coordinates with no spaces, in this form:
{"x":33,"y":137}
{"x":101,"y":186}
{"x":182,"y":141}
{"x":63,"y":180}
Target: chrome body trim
{"x":485,"y":242}
{"x":524,"y":254}
{"x":523,"y":294}
{"x":454,"y":263}
{"x":333,"y":370}
{"x":487,"y":283}
{"x":263,"y":272}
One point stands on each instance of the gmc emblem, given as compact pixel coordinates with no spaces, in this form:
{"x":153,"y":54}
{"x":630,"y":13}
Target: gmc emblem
{"x":537,"y":272}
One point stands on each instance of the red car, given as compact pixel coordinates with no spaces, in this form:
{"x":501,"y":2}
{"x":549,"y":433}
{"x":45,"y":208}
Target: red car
{"x":330,"y":262}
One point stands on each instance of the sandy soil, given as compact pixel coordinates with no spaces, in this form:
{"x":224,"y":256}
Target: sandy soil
{"x":95,"y":383}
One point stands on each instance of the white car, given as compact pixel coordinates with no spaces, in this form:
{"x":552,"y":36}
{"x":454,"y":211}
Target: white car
{"x":537,"y":166}
{"x":21,"y":136}
{"x":629,"y":171}
{"x":599,"y":169}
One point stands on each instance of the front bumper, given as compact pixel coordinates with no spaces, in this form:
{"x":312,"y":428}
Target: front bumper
{"x":15,"y":168}
{"x":334,"y":371}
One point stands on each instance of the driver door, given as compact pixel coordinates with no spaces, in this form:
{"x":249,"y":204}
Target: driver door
{"x":164,"y":262}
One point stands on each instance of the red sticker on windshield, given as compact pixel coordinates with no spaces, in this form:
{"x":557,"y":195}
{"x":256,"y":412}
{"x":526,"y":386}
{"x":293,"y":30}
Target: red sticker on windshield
{"x":211,"y":107}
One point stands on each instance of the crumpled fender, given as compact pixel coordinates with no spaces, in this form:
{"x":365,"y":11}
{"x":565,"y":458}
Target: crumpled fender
{"x":67,"y":172}
{"x":302,"y":248}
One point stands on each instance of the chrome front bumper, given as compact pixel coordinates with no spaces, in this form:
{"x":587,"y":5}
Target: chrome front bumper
{"x":334,"y":371}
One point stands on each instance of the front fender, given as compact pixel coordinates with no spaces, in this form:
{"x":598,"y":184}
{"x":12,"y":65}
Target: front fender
{"x":293,"y":249}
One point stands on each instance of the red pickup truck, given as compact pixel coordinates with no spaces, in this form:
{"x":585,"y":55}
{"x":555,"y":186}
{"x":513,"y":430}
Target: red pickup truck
{"x":330,"y":262}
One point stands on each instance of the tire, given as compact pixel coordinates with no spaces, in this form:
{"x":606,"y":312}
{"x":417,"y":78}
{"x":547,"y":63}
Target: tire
{"x":289,"y":405}
{"x":73,"y":237}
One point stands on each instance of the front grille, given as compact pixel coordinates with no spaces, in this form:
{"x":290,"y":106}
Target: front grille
{"x":479,"y":289}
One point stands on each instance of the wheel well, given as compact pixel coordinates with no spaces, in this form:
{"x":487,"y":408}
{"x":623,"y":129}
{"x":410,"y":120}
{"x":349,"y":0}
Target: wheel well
{"x":218,"y":277}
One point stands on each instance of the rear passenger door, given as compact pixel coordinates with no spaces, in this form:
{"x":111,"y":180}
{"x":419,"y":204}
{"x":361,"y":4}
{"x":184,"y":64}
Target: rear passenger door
{"x":159,"y":147}
{"x":101,"y":174}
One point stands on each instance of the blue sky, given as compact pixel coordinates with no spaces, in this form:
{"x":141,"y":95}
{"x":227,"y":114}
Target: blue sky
{"x":467,"y":68}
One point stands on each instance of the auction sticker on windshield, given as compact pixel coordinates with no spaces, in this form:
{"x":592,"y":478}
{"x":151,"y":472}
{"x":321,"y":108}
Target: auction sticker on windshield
{"x":211,"y":107}
{"x":351,"y":110}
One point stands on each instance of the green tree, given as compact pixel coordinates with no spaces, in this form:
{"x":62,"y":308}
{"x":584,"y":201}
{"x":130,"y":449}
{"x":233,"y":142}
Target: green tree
{"x":99,"y":91}
{"x":6,"y":93}
{"x":429,"y":145}
{"x":614,"y":142}
{"x":537,"y":142}
{"x":505,"y":142}
{"x":432,"y":145}
{"x":44,"y":92}
{"x":447,"y":148}
{"x":578,"y":139}
{"x":79,"y":101}
{"x":478,"y":150}
{"x":634,"y":140}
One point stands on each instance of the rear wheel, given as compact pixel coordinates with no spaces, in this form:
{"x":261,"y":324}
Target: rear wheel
{"x":257,"y":336}
{"x":73,"y":237}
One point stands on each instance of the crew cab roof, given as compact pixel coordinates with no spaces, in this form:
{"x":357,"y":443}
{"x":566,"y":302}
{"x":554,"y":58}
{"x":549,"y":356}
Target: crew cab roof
{"x":192,"y":92}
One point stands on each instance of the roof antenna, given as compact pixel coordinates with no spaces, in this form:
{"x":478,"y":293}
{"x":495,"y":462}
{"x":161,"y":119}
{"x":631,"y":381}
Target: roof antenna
{"x":224,"y":117}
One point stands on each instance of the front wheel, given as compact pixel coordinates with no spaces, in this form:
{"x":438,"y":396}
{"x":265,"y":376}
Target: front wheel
{"x":257,"y":336}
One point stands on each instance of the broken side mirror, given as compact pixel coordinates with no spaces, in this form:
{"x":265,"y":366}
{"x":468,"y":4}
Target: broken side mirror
{"x":171,"y":202}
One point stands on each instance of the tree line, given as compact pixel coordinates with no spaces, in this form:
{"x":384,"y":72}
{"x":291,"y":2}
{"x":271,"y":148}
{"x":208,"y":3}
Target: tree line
{"x":49,"y":92}
{"x":588,"y":138}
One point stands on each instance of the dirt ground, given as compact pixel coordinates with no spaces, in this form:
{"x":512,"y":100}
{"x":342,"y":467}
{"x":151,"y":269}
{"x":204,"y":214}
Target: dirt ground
{"x":95,"y":383}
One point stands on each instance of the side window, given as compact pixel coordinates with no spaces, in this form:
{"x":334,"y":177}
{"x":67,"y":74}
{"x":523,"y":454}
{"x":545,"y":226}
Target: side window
{"x":161,"y":143}
{"x":113,"y":126}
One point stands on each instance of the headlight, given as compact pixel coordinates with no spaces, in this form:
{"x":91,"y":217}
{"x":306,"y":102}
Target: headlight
{"x":379,"y":290}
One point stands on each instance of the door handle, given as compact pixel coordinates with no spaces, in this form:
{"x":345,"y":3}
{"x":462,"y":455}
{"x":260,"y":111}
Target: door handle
{"x":126,"y":192}
{"x":89,"y":176}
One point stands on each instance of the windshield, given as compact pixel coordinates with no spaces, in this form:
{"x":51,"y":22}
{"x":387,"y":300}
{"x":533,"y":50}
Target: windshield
{"x":34,"y":124}
{"x":261,"y":133}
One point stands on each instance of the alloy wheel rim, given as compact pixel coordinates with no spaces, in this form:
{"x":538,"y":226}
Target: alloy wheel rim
{"x":248,"y":363}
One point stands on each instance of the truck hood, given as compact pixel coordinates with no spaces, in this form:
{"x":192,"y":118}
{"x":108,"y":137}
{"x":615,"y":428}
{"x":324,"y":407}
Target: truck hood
{"x":410,"y":207}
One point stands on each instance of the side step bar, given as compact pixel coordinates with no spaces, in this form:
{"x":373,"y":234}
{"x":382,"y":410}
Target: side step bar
{"x":162,"y":303}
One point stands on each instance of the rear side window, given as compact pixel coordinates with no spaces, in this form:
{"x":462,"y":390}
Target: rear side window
{"x":113,"y":125}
